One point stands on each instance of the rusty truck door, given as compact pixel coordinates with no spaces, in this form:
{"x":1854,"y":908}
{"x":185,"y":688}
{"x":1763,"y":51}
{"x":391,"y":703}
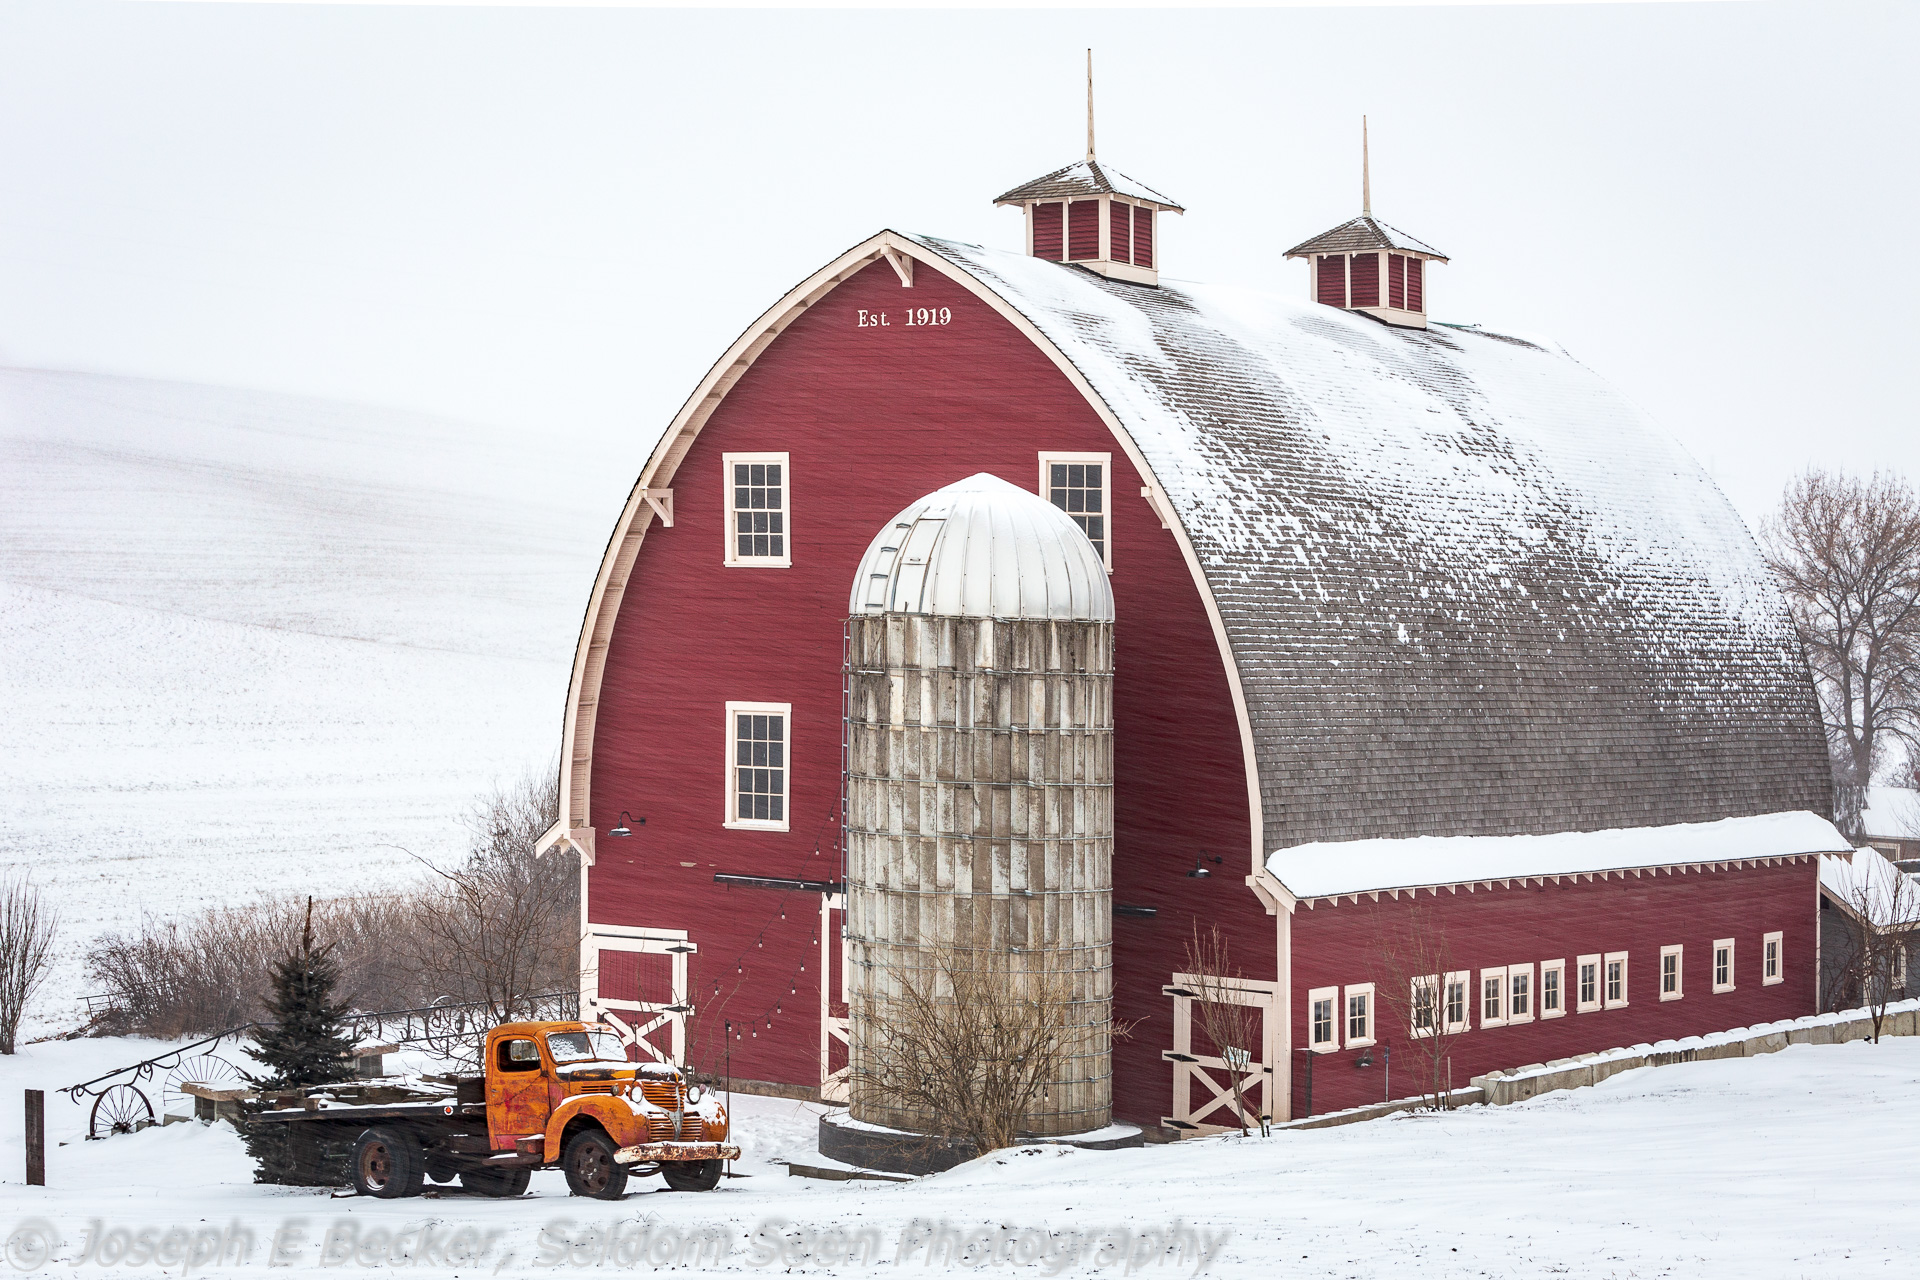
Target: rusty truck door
{"x":517,"y":1103}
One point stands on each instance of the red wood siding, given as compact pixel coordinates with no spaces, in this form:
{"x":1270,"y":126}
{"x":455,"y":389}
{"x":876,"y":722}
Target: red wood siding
{"x":1143,"y":237}
{"x":1332,"y":281}
{"x":1047,"y":230}
{"x":1365,"y":282}
{"x":873,"y":418}
{"x":1416,"y":291}
{"x":1083,"y":230}
{"x":1341,"y":946}
{"x":1396,"y":280}
{"x":1120,"y":231}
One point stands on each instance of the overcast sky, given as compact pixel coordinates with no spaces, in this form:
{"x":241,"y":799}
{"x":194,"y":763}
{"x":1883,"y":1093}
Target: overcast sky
{"x":557,"y":219}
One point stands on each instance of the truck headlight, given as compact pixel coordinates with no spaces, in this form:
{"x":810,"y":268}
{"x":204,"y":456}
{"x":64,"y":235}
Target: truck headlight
{"x":694,"y":1094}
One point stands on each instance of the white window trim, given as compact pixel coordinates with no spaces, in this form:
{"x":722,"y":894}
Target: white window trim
{"x":1540,"y":997}
{"x":1713,"y":971}
{"x":1599,"y":984}
{"x":1106,"y":489}
{"x":1437,"y":985}
{"x":1465,"y":978}
{"x":1480,"y":995}
{"x":1625,"y":979}
{"x":1679,"y":954}
{"x":1533,"y":994}
{"x":730,"y":548}
{"x":1779,"y":945}
{"x":1332,"y":996}
{"x":1373,"y":1015}
{"x":783,"y":709}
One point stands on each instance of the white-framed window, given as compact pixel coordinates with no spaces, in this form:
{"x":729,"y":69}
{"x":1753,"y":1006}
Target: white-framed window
{"x":759,"y":764}
{"x":1613,"y":980}
{"x":1323,"y":1019}
{"x":1586,"y":984}
{"x":1459,"y":1000}
{"x":1359,"y":1015}
{"x":759,"y":524}
{"x":1423,"y":1004}
{"x":1519,"y":993}
{"x":1081,"y":484}
{"x":1553,"y":988}
{"x":1772,"y":967}
{"x":1493,"y":997}
{"x":1722,"y":965}
{"x":1672,"y":967}
{"x":1898,"y":976}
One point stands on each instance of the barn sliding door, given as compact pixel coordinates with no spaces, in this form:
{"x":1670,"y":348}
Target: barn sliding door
{"x":635,"y":980}
{"x":1204,"y":1073}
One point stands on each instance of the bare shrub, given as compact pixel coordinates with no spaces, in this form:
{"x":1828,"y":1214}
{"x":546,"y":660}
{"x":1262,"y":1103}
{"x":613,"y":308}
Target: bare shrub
{"x":1425,"y":998}
{"x":1232,"y":1027}
{"x":27,"y":928}
{"x":971,"y":1040}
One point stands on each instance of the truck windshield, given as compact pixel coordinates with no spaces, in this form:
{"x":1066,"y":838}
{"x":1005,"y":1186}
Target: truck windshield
{"x":586,"y":1046}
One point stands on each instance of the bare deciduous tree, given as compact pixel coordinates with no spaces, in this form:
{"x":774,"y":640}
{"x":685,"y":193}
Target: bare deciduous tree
{"x":27,"y":928}
{"x":1232,"y":1026}
{"x":1847,"y":553}
{"x":971,"y":1040}
{"x":1424,"y":995}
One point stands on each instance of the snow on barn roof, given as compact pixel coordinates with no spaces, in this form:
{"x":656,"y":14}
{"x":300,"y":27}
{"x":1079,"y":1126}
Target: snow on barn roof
{"x":1361,"y":234}
{"x":1082,"y":179}
{"x":1330,"y":868}
{"x":1891,"y":813}
{"x":1865,"y":878}
{"x":983,"y":548}
{"x":1468,"y":588}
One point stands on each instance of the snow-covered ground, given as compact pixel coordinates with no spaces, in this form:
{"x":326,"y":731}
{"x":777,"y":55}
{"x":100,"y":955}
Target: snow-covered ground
{"x":250,"y":642}
{"x":1796,"y":1164}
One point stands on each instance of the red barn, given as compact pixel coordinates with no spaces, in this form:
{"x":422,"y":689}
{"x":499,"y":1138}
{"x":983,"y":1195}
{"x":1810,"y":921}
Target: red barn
{"x":1400,"y":610}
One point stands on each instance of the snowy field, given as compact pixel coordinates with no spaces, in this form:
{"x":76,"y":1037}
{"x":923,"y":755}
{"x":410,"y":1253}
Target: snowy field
{"x":1795,"y":1164}
{"x":251,"y":642}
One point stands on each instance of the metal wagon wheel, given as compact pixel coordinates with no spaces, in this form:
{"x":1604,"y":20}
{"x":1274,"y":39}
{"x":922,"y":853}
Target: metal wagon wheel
{"x":208,"y":1069}
{"x":121,"y":1109}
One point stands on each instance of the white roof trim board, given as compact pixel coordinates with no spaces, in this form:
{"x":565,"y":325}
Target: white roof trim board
{"x":983,"y":548}
{"x":1332,"y":868}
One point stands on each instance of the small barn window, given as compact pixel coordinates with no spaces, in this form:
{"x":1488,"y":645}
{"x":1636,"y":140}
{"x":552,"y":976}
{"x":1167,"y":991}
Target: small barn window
{"x":1323,"y":1032}
{"x":1722,"y":965}
{"x":1360,"y":1015}
{"x":1519,"y":993}
{"x":1770,"y":960}
{"x":1457,"y":998}
{"x":1424,"y":1002}
{"x":1616,"y":980}
{"x":758,"y":764}
{"x":1587,"y":984}
{"x":1083,"y":230}
{"x":1049,"y":230}
{"x":1081,"y":484}
{"x":757,"y":510}
{"x":1672,"y":961}
{"x":1493,"y":997}
{"x":1553,"y":988}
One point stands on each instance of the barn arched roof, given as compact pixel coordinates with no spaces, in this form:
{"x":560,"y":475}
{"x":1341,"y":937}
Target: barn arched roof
{"x":1470,"y":589}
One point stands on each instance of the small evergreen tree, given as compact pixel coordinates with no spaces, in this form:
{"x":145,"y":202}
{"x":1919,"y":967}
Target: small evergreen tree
{"x":307,"y":1044}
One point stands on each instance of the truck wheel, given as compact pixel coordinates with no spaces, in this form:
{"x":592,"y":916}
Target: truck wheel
{"x":388,"y":1163}
{"x":591,"y":1169}
{"x":691,"y":1175}
{"x":496,"y":1182}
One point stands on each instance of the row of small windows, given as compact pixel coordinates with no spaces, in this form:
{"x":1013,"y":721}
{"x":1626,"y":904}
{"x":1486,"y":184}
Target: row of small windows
{"x":758,"y":503}
{"x":1513,"y":995}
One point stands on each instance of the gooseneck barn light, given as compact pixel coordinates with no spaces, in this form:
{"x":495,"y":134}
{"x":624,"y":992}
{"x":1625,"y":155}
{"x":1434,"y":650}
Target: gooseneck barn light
{"x":1200,"y":871}
{"x":623,"y":829}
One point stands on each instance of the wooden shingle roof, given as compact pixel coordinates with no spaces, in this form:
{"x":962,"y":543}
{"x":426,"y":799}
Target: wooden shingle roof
{"x":1468,"y":588}
{"x":1083,"y":179}
{"x":1362,"y":234}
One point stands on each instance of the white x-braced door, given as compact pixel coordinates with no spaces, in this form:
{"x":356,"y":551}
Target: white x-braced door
{"x":635,"y":980}
{"x":1204,"y":1073}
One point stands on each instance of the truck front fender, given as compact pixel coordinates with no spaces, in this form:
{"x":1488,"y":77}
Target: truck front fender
{"x":608,"y":1112}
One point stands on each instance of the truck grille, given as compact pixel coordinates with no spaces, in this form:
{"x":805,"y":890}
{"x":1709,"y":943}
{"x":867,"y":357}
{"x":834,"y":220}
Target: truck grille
{"x":661,"y":1093}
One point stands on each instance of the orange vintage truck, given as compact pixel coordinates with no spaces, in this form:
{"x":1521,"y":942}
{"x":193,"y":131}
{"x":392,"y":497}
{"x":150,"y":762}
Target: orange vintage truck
{"x":553,"y":1094}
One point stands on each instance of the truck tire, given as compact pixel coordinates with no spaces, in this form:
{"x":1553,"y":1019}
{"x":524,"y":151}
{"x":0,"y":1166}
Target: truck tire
{"x":496,"y":1182}
{"x":691,"y":1175}
{"x":590,"y":1167}
{"x":388,"y":1163}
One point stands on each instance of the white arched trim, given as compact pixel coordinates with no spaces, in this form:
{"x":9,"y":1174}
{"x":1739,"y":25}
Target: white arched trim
{"x":589,"y":662}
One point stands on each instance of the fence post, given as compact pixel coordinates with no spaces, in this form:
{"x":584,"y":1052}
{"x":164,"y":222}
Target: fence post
{"x":36,"y":1138}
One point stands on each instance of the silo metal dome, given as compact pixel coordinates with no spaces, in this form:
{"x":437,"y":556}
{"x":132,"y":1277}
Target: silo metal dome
{"x":983,"y":548}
